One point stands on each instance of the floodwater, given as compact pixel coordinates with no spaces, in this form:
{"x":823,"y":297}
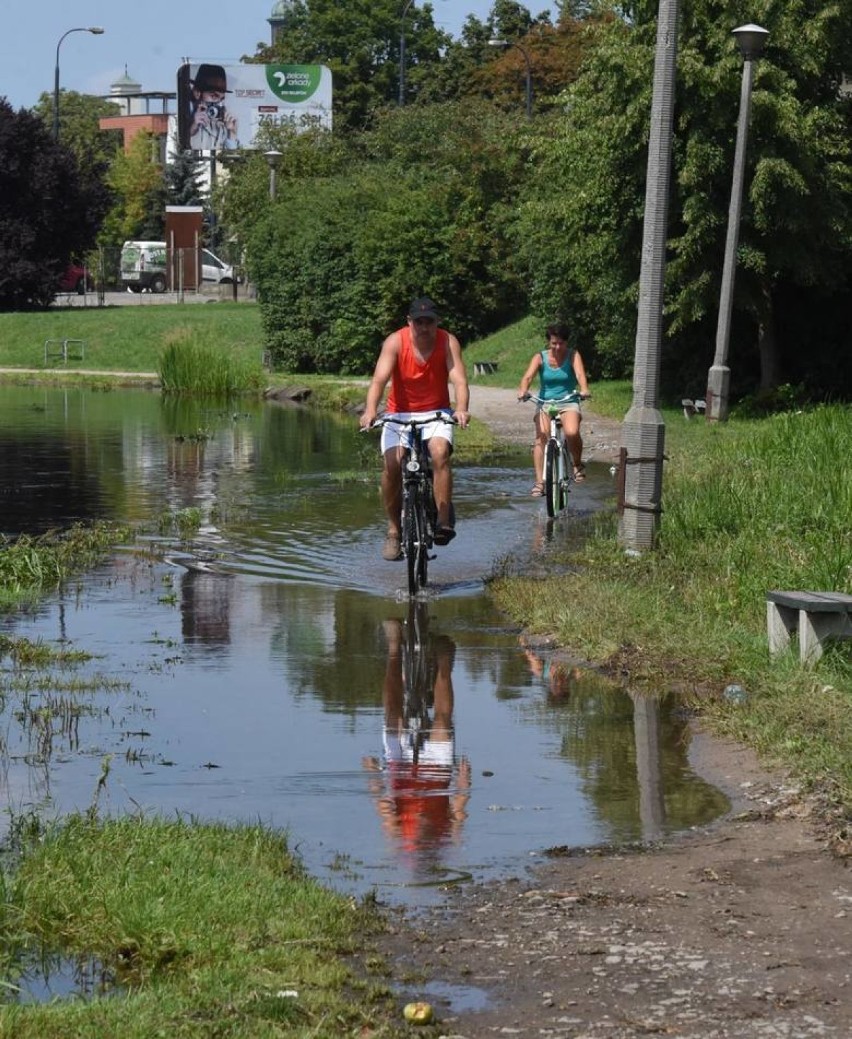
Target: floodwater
{"x":266,"y":668}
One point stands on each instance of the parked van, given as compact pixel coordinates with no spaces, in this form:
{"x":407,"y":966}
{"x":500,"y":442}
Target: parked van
{"x":144,"y":266}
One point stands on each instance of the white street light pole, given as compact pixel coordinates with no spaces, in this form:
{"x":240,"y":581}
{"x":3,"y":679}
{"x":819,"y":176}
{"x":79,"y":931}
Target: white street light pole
{"x":96,"y":30}
{"x":272,"y":158}
{"x":509,"y":43}
{"x":751,"y":40}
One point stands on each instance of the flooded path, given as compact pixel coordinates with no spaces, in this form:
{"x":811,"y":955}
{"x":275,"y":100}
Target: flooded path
{"x":257,"y":668}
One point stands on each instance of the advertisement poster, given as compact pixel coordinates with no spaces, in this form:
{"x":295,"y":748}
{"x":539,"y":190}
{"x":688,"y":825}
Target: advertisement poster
{"x":224,"y":107}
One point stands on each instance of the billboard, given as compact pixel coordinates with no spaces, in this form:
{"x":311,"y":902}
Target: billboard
{"x":224,"y":107}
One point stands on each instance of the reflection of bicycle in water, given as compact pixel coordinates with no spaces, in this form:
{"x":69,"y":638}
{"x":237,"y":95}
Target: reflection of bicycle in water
{"x":421,"y":790}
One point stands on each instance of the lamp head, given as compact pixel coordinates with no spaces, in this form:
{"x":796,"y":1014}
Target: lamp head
{"x":751,"y":40}
{"x":96,"y":29}
{"x":272,"y":156}
{"x":494,"y":42}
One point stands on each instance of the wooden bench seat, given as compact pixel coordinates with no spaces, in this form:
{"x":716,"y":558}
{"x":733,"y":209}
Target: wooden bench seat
{"x":814,"y":616}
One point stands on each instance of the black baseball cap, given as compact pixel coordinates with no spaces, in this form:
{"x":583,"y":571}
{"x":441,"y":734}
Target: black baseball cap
{"x":423,"y":308}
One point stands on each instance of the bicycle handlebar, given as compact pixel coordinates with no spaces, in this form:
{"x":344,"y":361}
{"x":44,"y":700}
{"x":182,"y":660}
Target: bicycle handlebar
{"x":571,"y":398}
{"x":439,"y":416}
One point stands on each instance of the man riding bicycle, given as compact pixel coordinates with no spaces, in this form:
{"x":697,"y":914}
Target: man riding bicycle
{"x":419,"y":360}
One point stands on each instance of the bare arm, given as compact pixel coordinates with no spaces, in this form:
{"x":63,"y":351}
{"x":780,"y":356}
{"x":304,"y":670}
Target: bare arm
{"x":458,"y":377}
{"x":580,"y":372}
{"x":529,"y":375}
{"x":382,"y":373}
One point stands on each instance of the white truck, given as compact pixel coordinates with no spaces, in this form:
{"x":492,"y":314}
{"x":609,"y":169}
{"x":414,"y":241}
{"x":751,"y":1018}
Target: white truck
{"x":144,"y":265}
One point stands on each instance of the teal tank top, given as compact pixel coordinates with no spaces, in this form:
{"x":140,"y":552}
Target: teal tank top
{"x":557,"y":382}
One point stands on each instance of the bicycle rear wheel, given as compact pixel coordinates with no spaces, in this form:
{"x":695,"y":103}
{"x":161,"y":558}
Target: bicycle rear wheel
{"x":552,"y":489}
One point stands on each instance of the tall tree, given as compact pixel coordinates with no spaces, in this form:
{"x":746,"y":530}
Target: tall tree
{"x":359,"y":42}
{"x":588,"y":182}
{"x":136,"y":178}
{"x":79,"y":118}
{"x":50,"y":209}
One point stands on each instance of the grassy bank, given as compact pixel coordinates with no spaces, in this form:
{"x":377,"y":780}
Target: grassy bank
{"x":748,"y":506}
{"x":196,"y":930}
{"x":130,"y":338}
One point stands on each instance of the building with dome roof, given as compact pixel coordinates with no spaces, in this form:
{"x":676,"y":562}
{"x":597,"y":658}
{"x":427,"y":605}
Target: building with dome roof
{"x":279,"y":17}
{"x":140,"y":110}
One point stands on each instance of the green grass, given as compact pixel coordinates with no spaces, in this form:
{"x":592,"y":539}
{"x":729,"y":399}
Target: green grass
{"x":206,"y":930}
{"x":130,"y":338}
{"x":748,"y":506}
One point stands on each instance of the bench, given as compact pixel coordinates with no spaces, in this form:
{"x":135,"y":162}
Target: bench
{"x":484,"y":367}
{"x":692,"y":407}
{"x":51,"y":349}
{"x":815,"y":616}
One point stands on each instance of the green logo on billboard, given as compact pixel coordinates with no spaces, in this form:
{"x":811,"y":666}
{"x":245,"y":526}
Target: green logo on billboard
{"x":293,"y":83}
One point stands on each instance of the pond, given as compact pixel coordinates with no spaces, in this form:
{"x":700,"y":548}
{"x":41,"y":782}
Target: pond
{"x":264,"y":666}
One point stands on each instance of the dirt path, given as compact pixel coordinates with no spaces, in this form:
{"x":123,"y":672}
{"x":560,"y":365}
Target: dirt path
{"x":742,"y":930}
{"x":512,"y":421}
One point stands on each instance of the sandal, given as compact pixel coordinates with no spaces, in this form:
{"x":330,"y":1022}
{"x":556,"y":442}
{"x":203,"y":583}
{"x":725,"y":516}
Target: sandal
{"x":579,"y":473}
{"x":537,"y":490}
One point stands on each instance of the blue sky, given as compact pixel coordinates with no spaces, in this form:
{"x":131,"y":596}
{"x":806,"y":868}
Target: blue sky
{"x":151,"y":37}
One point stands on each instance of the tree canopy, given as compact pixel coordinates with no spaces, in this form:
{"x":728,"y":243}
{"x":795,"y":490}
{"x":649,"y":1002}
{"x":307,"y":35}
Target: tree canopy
{"x":50,"y":209}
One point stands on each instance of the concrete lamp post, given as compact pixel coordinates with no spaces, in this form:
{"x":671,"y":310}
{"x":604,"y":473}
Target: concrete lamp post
{"x":272,"y":158}
{"x":509,"y":43}
{"x":751,"y":40}
{"x":643,"y":430}
{"x":96,"y":30}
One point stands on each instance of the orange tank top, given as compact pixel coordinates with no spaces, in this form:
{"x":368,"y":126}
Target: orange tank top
{"x":419,"y":386}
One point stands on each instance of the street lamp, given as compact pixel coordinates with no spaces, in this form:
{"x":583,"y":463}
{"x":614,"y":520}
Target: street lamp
{"x":96,"y":30}
{"x":405,"y":11}
{"x":272,"y":158}
{"x":509,"y":43}
{"x":751,"y":40}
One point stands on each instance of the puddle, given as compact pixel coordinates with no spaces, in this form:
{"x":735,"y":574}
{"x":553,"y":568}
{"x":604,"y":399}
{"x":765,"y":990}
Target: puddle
{"x":245,"y":672}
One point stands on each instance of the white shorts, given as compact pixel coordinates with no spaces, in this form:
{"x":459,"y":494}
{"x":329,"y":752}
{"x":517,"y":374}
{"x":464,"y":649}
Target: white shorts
{"x":573,"y":406}
{"x":394,"y":435}
{"x":399,"y":747}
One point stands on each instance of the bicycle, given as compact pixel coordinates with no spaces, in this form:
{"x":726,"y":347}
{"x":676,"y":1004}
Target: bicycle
{"x":419,"y":518}
{"x":558,"y":464}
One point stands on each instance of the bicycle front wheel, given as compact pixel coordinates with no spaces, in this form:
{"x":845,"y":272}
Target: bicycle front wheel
{"x":565,"y":475}
{"x":414,"y":540}
{"x":552,"y":489}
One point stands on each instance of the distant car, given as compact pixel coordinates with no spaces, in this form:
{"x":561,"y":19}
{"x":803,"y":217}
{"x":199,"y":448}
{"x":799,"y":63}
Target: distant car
{"x":144,"y":265}
{"x":77,"y":279}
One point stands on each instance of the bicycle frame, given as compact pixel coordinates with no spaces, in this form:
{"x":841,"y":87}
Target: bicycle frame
{"x":419,"y":513}
{"x":558,"y":467}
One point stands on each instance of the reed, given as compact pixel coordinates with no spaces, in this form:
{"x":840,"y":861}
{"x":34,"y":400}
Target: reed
{"x":191,"y":364}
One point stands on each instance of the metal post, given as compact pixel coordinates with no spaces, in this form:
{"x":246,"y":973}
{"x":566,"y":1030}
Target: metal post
{"x":750,"y":39}
{"x":402,"y":53}
{"x":528,"y":72}
{"x":643,"y":431}
{"x":95,"y":30}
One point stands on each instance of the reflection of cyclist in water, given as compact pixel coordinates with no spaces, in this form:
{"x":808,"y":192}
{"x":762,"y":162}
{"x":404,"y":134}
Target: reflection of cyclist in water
{"x":420,"y":808}
{"x":557,"y":676}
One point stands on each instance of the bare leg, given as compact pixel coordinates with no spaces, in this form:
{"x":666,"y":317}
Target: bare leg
{"x":442,"y":479}
{"x":571,"y":426}
{"x":542,"y":432}
{"x":392,"y":488}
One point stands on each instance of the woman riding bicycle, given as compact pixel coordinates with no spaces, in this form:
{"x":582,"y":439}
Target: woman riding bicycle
{"x":418,"y":360}
{"x":561,"y":372}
